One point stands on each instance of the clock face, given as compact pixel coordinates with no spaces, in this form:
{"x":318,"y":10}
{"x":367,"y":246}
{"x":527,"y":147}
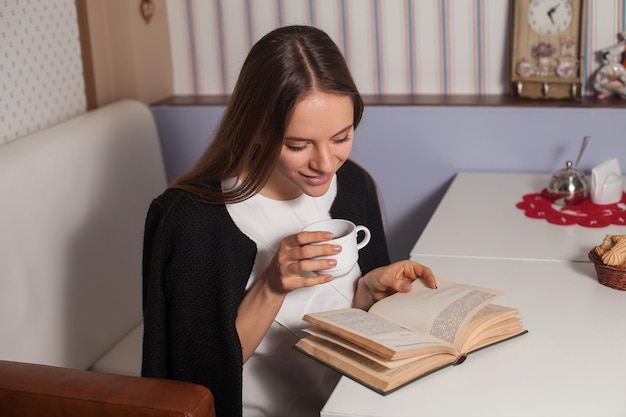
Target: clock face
{"x":550,"y":17}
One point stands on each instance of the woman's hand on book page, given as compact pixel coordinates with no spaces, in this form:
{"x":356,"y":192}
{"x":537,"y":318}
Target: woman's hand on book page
{"x":384,"y":281}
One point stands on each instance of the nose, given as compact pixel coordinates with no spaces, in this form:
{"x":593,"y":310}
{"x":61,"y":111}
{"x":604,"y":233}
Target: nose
{"x":323,"y":160}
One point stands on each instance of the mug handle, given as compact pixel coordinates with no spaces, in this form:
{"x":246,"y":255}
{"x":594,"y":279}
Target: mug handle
{"x":366,"y":238}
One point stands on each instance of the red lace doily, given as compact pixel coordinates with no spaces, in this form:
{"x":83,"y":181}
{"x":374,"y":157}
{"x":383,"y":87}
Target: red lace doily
{"x":539,"y":206}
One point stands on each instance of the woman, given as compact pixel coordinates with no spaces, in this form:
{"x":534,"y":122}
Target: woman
{"x":227,"y":272}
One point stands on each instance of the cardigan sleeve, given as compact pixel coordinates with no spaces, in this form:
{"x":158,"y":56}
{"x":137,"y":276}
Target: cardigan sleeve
{"x":196,"y":264}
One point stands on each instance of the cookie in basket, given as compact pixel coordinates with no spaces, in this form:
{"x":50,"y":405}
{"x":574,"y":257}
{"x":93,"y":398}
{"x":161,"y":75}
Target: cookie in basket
{"x":609,"y":259}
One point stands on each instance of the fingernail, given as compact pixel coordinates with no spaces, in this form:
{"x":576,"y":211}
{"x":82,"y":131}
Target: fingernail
{"x":406,"y":287}
{"x":336,"y":248}
{"x":328,"y":235}
{"x":332,"y":262}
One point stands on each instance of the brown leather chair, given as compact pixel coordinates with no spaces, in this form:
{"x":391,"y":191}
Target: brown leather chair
{"x":30,"y":390}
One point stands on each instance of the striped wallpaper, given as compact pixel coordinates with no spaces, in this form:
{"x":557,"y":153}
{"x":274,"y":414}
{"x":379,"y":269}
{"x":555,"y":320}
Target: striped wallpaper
{"x":392,"y":46}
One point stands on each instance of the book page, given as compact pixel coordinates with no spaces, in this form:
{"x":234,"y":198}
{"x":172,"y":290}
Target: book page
{"x":390,"y":364}
{"x":383,"y":337}
{"x":367,"y":372}
{"x":443,"y":312}
{"x":491,"y":323}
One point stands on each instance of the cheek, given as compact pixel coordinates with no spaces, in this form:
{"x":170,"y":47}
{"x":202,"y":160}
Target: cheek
{"x":290,"y":161}
{"x":344,"y":152}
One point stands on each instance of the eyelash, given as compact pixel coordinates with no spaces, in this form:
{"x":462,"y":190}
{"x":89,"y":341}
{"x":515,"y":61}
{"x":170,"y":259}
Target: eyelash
{"x":301,"y":148}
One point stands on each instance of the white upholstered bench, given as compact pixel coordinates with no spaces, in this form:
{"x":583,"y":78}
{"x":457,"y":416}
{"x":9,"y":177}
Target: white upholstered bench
{"x":73,"y":200}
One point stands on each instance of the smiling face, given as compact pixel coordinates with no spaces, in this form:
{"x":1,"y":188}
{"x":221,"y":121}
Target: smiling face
{"x":317,"y":141}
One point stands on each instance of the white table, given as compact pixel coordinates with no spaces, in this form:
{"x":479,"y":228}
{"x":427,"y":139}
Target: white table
{"x":478,"y":217}
{"x":573,"y":360}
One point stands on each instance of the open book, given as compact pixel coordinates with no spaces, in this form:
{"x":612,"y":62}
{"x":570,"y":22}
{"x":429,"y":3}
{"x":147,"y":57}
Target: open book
{"x":409,"y":335}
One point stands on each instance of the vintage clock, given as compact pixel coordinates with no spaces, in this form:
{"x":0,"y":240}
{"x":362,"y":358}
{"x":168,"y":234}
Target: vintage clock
{"x":548,"y":46}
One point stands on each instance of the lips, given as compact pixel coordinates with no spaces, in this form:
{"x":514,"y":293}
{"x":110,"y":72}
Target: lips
{"x":317,"y":180}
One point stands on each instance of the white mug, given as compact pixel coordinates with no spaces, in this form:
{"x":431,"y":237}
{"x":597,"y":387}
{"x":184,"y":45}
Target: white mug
{"x":345,"y":235}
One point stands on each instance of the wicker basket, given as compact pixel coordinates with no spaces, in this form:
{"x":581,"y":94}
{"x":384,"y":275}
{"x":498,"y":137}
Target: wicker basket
{"x":611,"y":276}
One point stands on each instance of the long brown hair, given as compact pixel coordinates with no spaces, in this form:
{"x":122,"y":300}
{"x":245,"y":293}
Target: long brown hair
{"x":280,"y":69}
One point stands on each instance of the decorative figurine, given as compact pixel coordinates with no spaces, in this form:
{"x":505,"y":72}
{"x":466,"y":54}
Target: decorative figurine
{"x":611,"y":77}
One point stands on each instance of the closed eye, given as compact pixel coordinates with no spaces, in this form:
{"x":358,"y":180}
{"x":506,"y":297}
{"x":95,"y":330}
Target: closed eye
{"x":346,"y":138}
{"x":295,"y":148}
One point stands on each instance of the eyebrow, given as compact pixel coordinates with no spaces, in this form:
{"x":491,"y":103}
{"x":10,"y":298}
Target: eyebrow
{"x":345,"y":129}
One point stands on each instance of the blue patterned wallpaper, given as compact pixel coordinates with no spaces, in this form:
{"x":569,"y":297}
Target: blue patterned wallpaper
{"x":41,"y":74}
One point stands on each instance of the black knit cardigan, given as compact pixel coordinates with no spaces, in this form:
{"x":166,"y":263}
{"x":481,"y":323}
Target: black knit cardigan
{"x":196,"y":263}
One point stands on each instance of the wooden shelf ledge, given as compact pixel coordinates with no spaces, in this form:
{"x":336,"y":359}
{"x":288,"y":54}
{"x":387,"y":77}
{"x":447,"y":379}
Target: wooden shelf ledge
{"x":423,"y":100}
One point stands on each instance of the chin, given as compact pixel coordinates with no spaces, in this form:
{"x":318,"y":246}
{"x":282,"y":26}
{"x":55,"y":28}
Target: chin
{"x":315,"y":191}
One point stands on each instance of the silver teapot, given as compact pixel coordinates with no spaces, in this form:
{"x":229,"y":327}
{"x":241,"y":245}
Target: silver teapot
{"x":568,"y":186}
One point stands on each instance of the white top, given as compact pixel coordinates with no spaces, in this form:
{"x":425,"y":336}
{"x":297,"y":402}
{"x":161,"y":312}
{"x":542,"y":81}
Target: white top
{"x":278,"y":380}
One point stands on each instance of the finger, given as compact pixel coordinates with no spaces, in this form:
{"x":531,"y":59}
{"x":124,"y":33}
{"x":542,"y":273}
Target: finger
{"x":307,"y":259}
{"x":305,"y":238}
{"x":424,"y":273}
{"x":312,"y":265}
{"x":301,"y":282}
{"x":316,"y":250}
{"x":386,"y":280}
{"x":316,"y":280}
{"x":289,"y":248}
